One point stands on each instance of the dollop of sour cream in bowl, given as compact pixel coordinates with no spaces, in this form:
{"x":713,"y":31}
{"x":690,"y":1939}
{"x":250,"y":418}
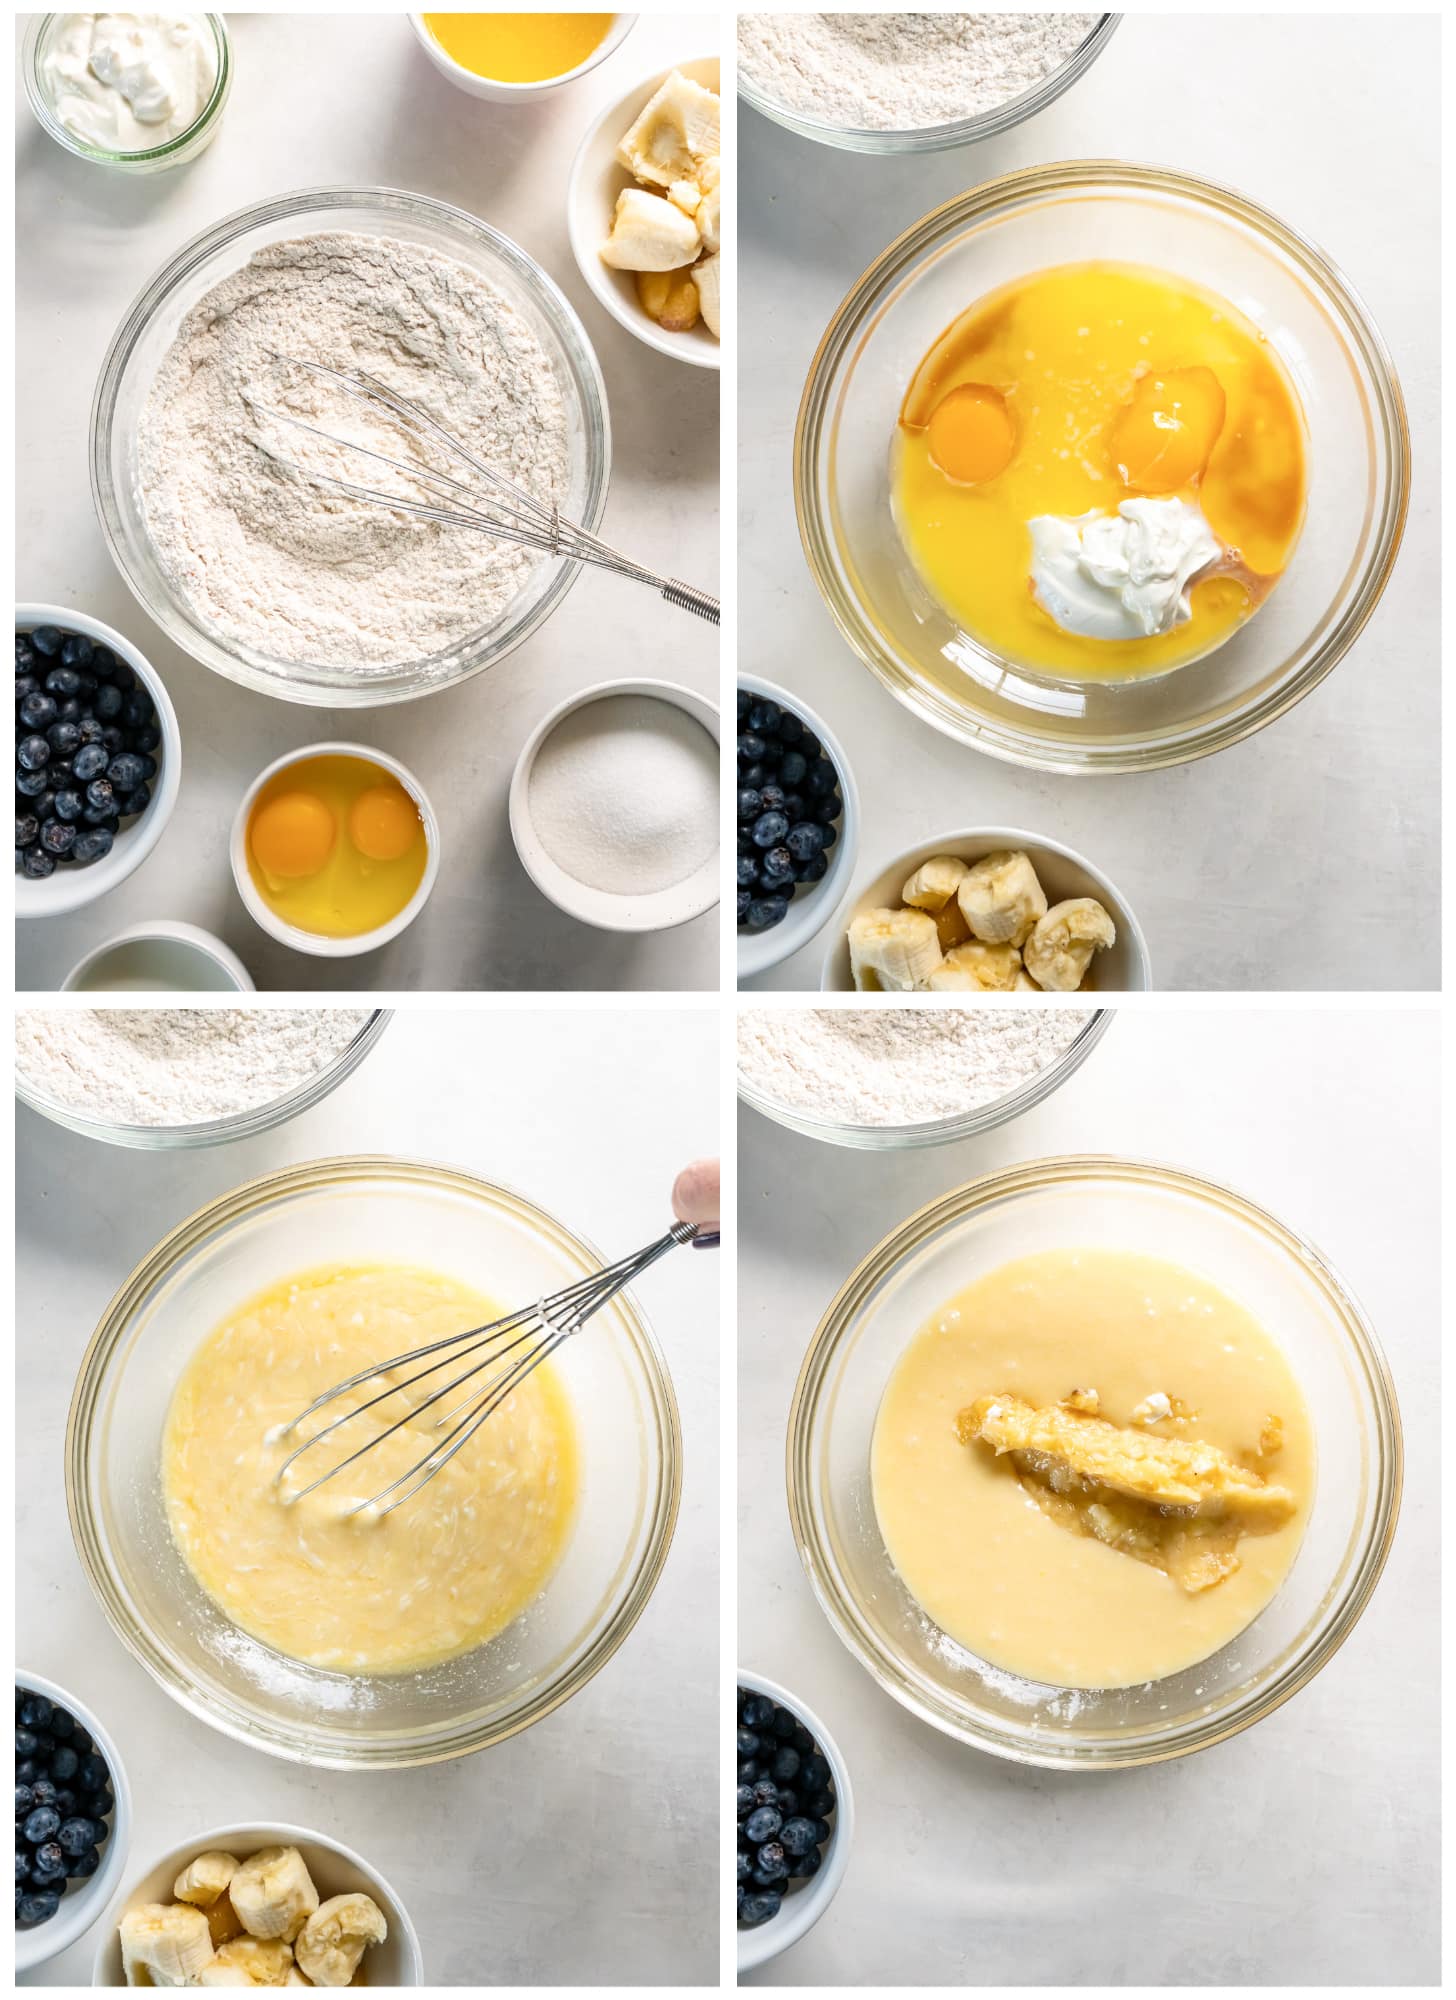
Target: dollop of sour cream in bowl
{"x":127,"y":83}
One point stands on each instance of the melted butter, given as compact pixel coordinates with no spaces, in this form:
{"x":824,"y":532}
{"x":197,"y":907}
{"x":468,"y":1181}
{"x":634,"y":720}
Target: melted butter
{"x":435,"y":1578}
{"x":1024,"y":1575}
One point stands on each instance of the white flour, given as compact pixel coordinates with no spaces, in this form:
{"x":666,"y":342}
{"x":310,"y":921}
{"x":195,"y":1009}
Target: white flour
{"x":902,"y":72}
{"x":176,"y":1065}
{"x":898,"y":1065}
{"x":624,"y":795}
{"x":284,"y":567}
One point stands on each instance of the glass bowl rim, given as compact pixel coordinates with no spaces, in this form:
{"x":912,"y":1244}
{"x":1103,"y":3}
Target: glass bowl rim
{"x":1359,"y":333}
{"x":1002,"y":117}
{"x":395,"y":682}
{"x":215,"y":1131}
{"x":163,"y":155}
{"x":1028,"y":1177}
{"x":253,"y":1197}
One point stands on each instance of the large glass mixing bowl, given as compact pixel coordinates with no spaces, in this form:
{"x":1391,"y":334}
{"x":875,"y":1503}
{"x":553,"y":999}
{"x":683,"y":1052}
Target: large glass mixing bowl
{"x":1094,"y":1203}
{"x":1105,"y":211}
{"x":146,"y":333}
{"x":366,"y":1210}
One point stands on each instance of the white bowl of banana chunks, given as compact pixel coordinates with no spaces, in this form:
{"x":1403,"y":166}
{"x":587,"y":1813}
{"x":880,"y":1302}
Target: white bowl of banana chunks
{"x":644,"y":186}
{"x":989,"y":910}
{"x":259,"y":1906}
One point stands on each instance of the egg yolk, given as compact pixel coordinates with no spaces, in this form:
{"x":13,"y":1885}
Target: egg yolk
{"x":1162,"y":439}
{"x":971,"y":435}
{"x":292,"y":836}
{"x":382,"y":822}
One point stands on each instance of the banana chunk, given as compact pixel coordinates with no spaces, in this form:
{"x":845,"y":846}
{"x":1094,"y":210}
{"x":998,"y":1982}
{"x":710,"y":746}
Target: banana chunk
{"x":934,"y":883}
{"x":1062,"y":946}
{"x":675,"y":135}
{"x":1001,"y":898}
{"x":709,"y":218}
{"x":164,"y":1944}
{"x":222,"y":1921}
{"x":203,"y":1880}
{"x":337,"y":1936}
{"x":649,"y":233}
{"x":273,"y":1893}
{"x":707,"y":276}
{"x":977,"y":968}
{"x":892,"y":951}
{"x":250,"y":1961}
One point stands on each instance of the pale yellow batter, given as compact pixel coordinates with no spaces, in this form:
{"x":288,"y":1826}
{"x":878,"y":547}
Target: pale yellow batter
{"x":434,"y":1578}
{"x":984,"y":1536}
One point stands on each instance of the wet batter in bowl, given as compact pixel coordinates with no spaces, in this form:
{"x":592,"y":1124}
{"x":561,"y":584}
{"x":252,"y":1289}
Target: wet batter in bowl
{"x":436,"y":1577}
{"x":1092,"y":1468}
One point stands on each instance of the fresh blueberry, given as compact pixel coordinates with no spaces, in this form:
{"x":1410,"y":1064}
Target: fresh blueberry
{"x":98,"y":1804}
{"x":135,"y":802}
{"x":90,"y":729}
{"x":747,"y":868}
{"x":65,"y":1763}
{"x":32,"y":753}
{"x":100,"y":797}
{"x":103,"y":662}
{"x":822,"y":1830}
{"x":821,"y":780}
{"x":745,"y":1866}
{"x":809,"y":743}
{"x":38,"y":711}
{"x":757,"y":1711}
{"x":765,"y":715}
{"x":86,"y":1864}
{"x":745,"y":904}
{"x":25,"y":1799}
{"x":805,"y":840}
{"x":773,"y":799}
{"x":37,"y":864}
{"x":745,"y":1800}
{"x":26,"y":1744}
{"x":49,"y":1859}
{"x":787,"y":1801}
{"x":763,"y":913}
{"x":784,"y":1723}
{"x":814,"y":1774}
{"x":47,"y":640}
{"x":65,"y":739}
{"x":107,"y":704}
{"x":64,"y":681}
{"x":790,"y":727}
{"x":76,"y":1835}
{"x":758,"y":1908}
{"x":127,"y":771}
{"x":748,"y":1770}
{"x":793,"y":767}
{"x":137,"y":710}
{"x":760,"y":1826}
{"x":753,"y":774}
{"x":748,"y":1744}
{"x":43,"y":1821}
{"x":785,"y":1764}
{"x":45,"y":1792}
{"x":22,"y":1864}
{"x":111,"y":739}
{"x":93,"y":1773}
{"x":750,"y":803}
{"x":828,"y":810}
{"x":768,"y":829}
{"x":69,"y":804}
{"x":765,"y":1793}
{"x":806,"y":1865}
{"x":750,"y":748}
{"x":40,"y":1906}
{"x":58,"y":838}
{"x":772,"y":1861}
{"x":745,"y":699}
{"x":72,"y":709}
{"x":65,"y":1802}
{"x":812,"y":871}
{"x":27,"y":1771}
{"x":830,"y":835}
{"x":796,"y":1837}
{"x":773,"y":750}
{"x":89,"y":762}
{"x":778,"y":868}
{"x":77,"y":650}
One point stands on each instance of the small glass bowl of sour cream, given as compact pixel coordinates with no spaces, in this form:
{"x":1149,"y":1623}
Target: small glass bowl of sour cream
{"x":145,"y":94}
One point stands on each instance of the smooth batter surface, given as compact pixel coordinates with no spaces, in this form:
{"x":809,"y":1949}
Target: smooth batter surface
{"x":995,"y":1570}
{"x":436,"y":1577}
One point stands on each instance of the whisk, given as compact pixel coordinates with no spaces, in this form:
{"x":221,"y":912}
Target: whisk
{"x":507,"y":512}
{"x":529,"y":1336}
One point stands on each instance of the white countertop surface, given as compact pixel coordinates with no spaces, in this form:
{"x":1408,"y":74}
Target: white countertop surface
{"x":1304,"y":1852}
{"x":586,"y":1848}
{"x":325,"y":100}
{"x":1255,"y":887}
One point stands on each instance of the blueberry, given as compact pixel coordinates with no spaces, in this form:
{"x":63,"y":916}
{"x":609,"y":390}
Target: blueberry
{"x":65,"y":739}
{"x":821,"y":781}
{"x":807,"y":1864}
{"x":32,"y":753}
{"x":814,"y":1775}
{"x":63,"y":681}
{"x":135,"y":802}
{"x":89,"y":762}
{"x":49,"y":1859}
{"x":65,"y":1763}
{"x":809,"y":743}
{"x":98,"y":1804}
{"x":751,"y":774}
{"x":45,"y":1792}
{"x":787,"y":1801}
{"x":760,"y":1825}
{"x":47,"y":640}
{"x":773,"y":798}
{"x":42,"y":1904}
{"x":747,"y":867}
{"x":22,"y":1865}
{"x":93,"y":1773}
{"x":765,"y":715}
{"x":111,"y":739}
{"x":30,"y":784}
{"x":773,"y":1863}
{"x":103,"y":662}
{"x":42,"y":1821}
{"x":763,"y":913}
{"x":87,"y":1863}
{"x":81,"y":1740}
{"x":25,"y":684}
{"x":745,"y":1866}
{"x":768,"y":829}
{"x":796,"y":1838}
{"x":37,"y":864}
{"x":795,"y":807}
{"x":69,"y":803}
{"x":750,"y":748}
{"x":805,"y":840}
{"x":72,"y":709}
{"x":100,"y":797}
{"x":793,"y":767}
{"x":828,"y":810}
{"x":27,"y":1771}
{"x":773,"y":750}
{"x":25,"y":1740}
{"x":790,"y":727}
{"x":76,"y":1835}
{"x":778,"y":868}
{"x":745,"y":1800}
{"x":785,"y":1764}
{"x":122,"y":674}
{"x":127,"y":771}
{"x":38,"y":710}
{"x":758,"y":1908}
{"x":745,"y":699}
{"x":748,"y":1770}
{"x":812,"y":871}
{"x":137,"y":710}
{"x":784,"y":1723}
{"x":757,"y":1711}
{"x":750,"y":803}
{"x":765,"y":1793}
{"x":748,"y":1745}
{"x":830,"y":834}
{"x":57,"y":838}
{"x":65,"y":1803}
{"x":77,"y":650}
{"x":108,"y":702}
{"x":90,"y":730}
{"x":24,"y":1799}
{"x":822,"y":1831}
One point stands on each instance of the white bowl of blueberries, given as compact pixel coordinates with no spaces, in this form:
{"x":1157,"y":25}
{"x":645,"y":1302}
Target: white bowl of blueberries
{"x":795,"y":1820}
{"x":72,"y":1820}
{"x":97,"y":759}
{"x":798,"y":825}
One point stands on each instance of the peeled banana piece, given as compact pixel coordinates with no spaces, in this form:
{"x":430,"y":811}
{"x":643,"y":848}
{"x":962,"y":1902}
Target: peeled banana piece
{"x":649,"y":233}
{"x":675,"y":136}
{"x":164,"y":1944}
{"x":1062,"y":946}
{"x":892,"y":951}
{"x":977,"y":968}
{"x":337,"y":1936}
{"x":250,"y":1961}
{"x":203,"y":1880}
{"x":934,"y":883}
{"x":273,"y":1894}
{"x":706,"y":277}
{"x":1001,"y":898}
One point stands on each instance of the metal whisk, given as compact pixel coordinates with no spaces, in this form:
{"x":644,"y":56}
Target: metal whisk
{"x":506,"y":511}
{"x":529,"y":1336}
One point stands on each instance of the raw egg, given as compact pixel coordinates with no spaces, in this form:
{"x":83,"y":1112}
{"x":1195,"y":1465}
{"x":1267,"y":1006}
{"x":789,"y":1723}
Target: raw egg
{"x":1164,"y":437}
{"x":336,"y":845}
{"x":971,"y":435}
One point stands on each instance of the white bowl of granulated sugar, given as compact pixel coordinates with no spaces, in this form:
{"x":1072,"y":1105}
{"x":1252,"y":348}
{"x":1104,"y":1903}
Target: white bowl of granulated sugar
{"x":614,"y":806}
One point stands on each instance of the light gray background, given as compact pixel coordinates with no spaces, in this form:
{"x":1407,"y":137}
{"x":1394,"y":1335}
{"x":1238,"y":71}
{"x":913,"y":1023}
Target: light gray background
{"x":1307,"y":857}
{"x":331,"y":100}
{"x":585,"y":1850}
{"x":1305,"y":1852}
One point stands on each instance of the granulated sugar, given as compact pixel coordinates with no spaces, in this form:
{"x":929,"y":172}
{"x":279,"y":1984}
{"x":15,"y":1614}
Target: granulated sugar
{"x":898,"y":1065}
{"x":903,"y":72}
{"x":176,"y":1065}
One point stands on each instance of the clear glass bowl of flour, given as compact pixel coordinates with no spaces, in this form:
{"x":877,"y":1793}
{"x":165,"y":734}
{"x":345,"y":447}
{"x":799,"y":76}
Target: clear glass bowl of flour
{"x":934,"y":138}
{"x":1131,"y":1205}
{"x":146,"y":334}
{"x":983,"y":1117}
{"x":299,"y":1096}
{"x":352,"y":1211}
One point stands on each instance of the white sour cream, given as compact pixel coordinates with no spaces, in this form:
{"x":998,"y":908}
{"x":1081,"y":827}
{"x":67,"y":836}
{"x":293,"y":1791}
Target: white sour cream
{"x":128,"y":82}
{"x":1122,"y":575}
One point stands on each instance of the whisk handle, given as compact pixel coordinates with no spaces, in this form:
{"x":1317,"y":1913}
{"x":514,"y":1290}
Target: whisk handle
{"x":688,"y":598}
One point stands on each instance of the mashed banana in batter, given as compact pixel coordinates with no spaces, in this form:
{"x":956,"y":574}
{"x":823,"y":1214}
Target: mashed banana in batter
{"x":432,"y":1579}
{"x":1092,"y":1468}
